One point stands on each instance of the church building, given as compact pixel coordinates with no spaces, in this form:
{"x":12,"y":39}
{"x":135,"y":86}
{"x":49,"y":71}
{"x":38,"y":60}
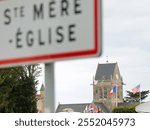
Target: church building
{"x":107,"y":79}
{"x":107,"y":92}
{"x":40,"y":100}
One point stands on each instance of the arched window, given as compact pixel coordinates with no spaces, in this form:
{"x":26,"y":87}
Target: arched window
{"x":96,"y":91}
{"x":118,"y":92}
{"x":105,"y":92}
{"x":100,"y":93}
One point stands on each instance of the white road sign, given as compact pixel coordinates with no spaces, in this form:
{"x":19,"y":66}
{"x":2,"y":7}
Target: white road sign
{"x":48,"y":30}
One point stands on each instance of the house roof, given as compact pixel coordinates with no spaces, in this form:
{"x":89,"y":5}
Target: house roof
{"x":105,"y":71}
{"x":80,"y":107}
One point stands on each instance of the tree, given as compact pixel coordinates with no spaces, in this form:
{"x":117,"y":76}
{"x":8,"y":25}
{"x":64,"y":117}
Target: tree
{"x":18,"y":88}
{"x":131,"y":97}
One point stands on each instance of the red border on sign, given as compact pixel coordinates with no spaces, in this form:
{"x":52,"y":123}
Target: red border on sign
{"x":93,"y":51}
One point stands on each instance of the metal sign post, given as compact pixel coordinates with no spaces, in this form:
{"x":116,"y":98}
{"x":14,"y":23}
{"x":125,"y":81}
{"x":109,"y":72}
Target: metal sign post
{"x":49,"y":88}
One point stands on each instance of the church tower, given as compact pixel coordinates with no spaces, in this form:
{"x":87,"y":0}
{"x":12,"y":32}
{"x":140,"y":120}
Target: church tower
{"x":108,"y":77}
{"x":40,"y":100}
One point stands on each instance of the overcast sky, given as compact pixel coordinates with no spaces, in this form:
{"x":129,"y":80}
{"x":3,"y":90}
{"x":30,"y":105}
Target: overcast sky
{"x":126,"y":40}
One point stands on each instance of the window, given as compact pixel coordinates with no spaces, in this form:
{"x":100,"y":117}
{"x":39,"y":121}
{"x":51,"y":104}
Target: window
{"x":118,"y":93}
{"x":105,"y":92}
{"x":96,"y":91}
{"x":100,"y":93}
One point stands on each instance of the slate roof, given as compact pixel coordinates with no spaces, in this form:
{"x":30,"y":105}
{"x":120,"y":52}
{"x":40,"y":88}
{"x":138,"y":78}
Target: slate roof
{"x":80,"y":107}
{"x":105,"y":71}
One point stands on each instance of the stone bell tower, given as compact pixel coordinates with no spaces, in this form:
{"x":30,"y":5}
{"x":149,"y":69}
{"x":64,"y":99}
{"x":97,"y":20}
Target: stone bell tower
{"x":106,"y":78}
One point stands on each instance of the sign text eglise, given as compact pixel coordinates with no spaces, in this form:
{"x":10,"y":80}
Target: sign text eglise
{"x":48,"y":30}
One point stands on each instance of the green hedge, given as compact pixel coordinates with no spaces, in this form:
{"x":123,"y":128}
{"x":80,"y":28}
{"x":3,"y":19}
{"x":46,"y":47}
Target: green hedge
{"x":130,"y":109}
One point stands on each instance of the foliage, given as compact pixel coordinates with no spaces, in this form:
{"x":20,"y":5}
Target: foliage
{"x":131,"y":97}
{"x":18,"y":89}
{"x":129,"y":109}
